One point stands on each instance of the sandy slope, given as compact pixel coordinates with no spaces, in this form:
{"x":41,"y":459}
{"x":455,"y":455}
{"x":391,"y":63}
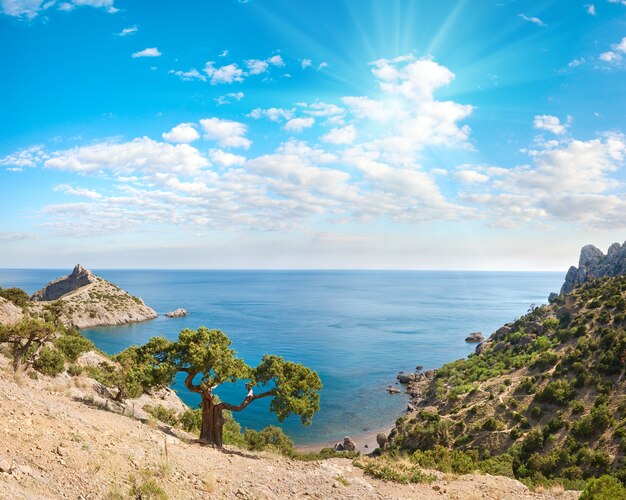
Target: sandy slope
{"x":58,"y":447}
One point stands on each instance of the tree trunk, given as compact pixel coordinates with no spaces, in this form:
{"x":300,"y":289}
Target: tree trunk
{"x":207,"y":428}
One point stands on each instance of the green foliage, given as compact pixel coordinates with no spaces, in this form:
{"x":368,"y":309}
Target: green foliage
{"x":597,"y":420}
{"x":604,"y":488}
{"x":50,"y":362}
{"x":26,"y":338}
{"x":271,"y":438}
{"x":559,"y":392}
{"x":16,"y":295}
{"x":73,"y":345}
{"x":445,"y":460}
{"x":162,"y":414}
{"x":397,"y":472}
{"x":500,"y":465}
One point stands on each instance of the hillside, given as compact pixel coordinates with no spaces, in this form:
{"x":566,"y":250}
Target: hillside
{"x":546,"y":393}
{"x":62,"y":444}
{"x":84,"y":300}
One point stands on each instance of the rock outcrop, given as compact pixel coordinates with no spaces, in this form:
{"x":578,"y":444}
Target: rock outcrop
{"x":85,"y":300}
{"x":178,"y":313}
{"x":9,"y":312}
{"x":594,"y":264}
{"x":59,"y":287}
{"x":474,"y":337}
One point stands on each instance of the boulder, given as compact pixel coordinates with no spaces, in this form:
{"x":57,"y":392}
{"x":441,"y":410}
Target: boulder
{"x":405,"y":379}
{"x":5,"y":466}
{"x":393,"y":390}
{"x":382,"y":440}
{"x":419,"y":368}
{"x":178,"y":313}
{"x":348,"y":444}
{"x":475,"y":337}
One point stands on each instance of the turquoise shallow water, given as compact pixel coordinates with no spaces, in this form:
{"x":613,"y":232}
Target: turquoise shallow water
{"x":356,"y":328}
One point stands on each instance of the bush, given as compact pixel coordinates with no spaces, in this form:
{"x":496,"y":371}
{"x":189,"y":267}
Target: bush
{"x":444,"y":460}
{"x":73,"y":346}
{"x":270,"y":438}
{"x":50,"y":362}
{"x":394,"y":471}
{"x":604,"y":488}
{"x":162,"y":414}
{"x":558,"y":392}
{"x":16,"y":295}
{"x":500,"y":465}
{"x":74,"y":370}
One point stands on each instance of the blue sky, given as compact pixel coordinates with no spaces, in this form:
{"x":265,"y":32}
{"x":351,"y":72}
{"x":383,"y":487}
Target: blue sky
{"x":327,"y":134}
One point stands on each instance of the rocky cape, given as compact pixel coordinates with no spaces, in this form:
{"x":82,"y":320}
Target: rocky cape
{"x":593,"y":263}
{"x":84,"y":300}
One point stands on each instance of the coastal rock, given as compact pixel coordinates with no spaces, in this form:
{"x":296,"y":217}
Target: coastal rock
{"x":594,"y":264}
{"x":84,"y":300}
{"x":393,"y":390}
{"x":474,"y":337}
{"x":406,"y":378}
{"x":382,"y":440}
{"x":347,"y":445}
{"x":59,"y":287}
{"x":9,"y":312}
{"x":178,"y":313}
{"x":419,"y":368}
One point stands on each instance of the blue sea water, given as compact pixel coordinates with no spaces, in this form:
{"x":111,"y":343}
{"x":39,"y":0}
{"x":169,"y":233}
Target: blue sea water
{"x":356,"y":328}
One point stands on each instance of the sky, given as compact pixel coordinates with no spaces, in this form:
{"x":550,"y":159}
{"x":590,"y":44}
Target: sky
{"x":352,"y":134}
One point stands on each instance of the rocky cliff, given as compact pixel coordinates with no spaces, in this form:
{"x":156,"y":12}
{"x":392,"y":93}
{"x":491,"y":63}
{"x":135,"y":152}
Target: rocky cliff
{"x":594,"y":264}
{"x":85,"y":300}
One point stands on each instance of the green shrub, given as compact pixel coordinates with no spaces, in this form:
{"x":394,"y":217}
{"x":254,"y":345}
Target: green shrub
{"x":50,"y":362}
{"x":162,"y":414}
{"x":444,"y":460}
{"x":73,"y":346}
{"x":558,"y":392}
{"x":74,"y":370}
{"x":16,"y":295}
{"x":396,"y":472}
{"x":603,"y":488}
{"x":500,"y":465}
{"x":270,"y":438}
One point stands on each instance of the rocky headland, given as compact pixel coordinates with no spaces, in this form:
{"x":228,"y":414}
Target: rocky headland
{"x":593,"y":263}
{"x":84,"y":300}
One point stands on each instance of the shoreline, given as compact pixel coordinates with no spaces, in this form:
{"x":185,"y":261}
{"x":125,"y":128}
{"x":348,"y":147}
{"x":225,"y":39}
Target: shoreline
{"x":365,"y":442}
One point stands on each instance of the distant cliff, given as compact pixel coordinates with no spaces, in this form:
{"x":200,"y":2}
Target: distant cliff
{"x":594,"y":264}
{"x":85,"y":300}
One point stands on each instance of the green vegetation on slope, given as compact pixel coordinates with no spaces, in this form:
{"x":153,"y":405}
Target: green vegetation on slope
{"x":545,"y":395}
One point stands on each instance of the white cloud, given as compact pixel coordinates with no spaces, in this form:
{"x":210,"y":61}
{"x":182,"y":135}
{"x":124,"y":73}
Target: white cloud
{"x":227,"y":133}
{"x":31,"y":8}
{"x":470,"y":177}
{"x":258,"y":66}
{"x":149,"y":52}
{"x":272,"y":114}
{"x":616,"y":53}
{"x":305,"y":63}
{"x":27,"y":157}
{"x":344,"y":135}
{"x":224,"y":53}
{"x":224,"y":74}
{"x":139,"y":155}
{"x":551,"y":124}
{"x":364,"y":107}
{"x":182,"y":133}
{"x":299,"y":124}
{"x":534,"y":20}
{"x":226,"y":99}
{"x":131,"y":30}
{"x":85,"y":193}
{"x":576,"y":62}
{"x":591,"y":9}
{"x":225,"y":159}
{"x":192,"y":74}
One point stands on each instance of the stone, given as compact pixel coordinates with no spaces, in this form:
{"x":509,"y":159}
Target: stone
{"x":349,"y":444}
{"x":178,"y":313}
{"x":419,"y":368}
{"x":382,"y":440}
{"x":406,"y":378}
{"x":475,"y":337}
{"x":59,"y":287}
{"x":393,"y":390}
{"x":594,"y":264}
{"x":5,"y":466}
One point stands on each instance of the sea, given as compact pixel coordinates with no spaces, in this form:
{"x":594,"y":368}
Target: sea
{"x":357,"y":329}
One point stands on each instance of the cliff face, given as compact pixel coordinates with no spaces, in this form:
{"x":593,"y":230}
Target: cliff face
{"x":85,"y":300}
{"x":594,"y":264}
{"x":54,"y":290}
